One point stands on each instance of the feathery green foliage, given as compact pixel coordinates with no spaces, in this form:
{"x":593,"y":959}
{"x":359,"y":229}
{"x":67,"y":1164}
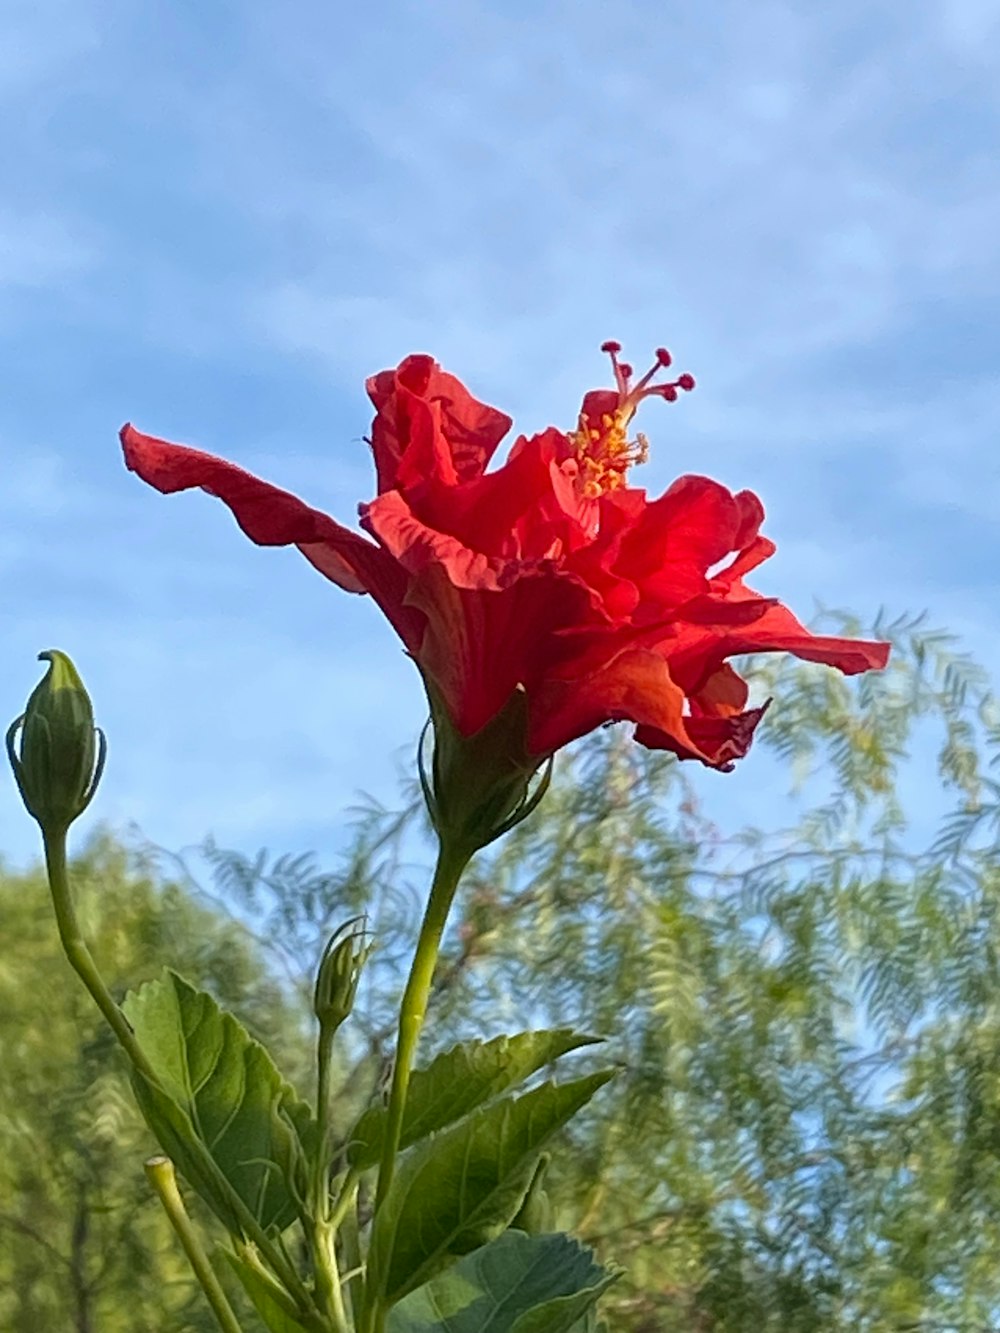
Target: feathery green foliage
{"x":83,"y":1242}
{"x":806,"y":1016}
{"x":804,"y":1131}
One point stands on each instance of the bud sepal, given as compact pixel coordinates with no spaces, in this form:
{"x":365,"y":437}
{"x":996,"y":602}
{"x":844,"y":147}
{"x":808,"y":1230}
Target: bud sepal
{"x":480,"y":786}
{"x":56,"y":751}
{"x":339,"y":973}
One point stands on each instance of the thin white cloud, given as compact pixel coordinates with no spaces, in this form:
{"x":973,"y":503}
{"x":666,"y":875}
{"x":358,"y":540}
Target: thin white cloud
{"x":772,"y":190}
{"x":523,"y":192}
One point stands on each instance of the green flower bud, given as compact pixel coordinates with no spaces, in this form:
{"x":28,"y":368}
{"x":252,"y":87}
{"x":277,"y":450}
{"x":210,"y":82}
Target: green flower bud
{"x":339,"y":973}
{"x":60,"y":758}
{"x":479,"y":787}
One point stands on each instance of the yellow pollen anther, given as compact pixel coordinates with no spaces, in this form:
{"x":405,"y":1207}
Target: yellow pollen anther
{"x":604,"y":456}
{"x":604,"y":453}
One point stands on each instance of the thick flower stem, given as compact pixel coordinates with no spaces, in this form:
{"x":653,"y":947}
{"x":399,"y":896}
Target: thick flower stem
{"x":452,"y":860}
{"x":450,"y":864}
{"x":328,"y":1293}
{"x":160,"y":1171}
{"x":79,"y":955}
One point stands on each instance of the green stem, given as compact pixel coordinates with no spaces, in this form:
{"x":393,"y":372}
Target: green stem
{"x":82,"y":961}
{"x":247,"y":1251}
{"x":160,"y":1171}
{"x":450,"y":864}
{"x":452,"y":860}
{"x":272,"y":1252}
{"x":351,"y":1242}
{"x":328,"y":1294}
{"x":338,"y":1312}
{"x":344,"y":1199}
{"x":321,"y":1232}
{"x":320,"y":1202}
{"x":324,"y":1051}
{"x":79,"y":955}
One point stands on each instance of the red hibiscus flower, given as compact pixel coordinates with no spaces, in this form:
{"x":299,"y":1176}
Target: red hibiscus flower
{"x":548,"y":575}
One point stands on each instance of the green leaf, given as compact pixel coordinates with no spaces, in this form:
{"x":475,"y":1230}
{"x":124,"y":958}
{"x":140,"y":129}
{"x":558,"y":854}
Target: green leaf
{"x":459,"y":1189}
{"x":219,"y":1086}
{"x":270,"y":1302}
{"x":535,"y":1213}
{"x":459,"y":1080}
{"x":566,"y":1314}
{"x":516,"y":1284}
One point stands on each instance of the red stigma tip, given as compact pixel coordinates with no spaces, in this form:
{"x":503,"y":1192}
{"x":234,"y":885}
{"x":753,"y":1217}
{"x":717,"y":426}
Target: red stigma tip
{"x":600,"y":442}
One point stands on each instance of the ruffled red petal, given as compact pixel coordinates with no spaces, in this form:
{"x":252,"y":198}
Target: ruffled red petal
{"x":636,"y":686}
{"x":273,"y":517}
{"x":428,"y":426}
{"x":480,"y":646}
{"x":604,"y":609}
{"x":675,"y":542}
{"x":717,"y":741}
{"x":714,"y":630}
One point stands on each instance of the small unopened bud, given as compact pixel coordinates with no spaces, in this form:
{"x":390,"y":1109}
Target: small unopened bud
{"x":59,"y":757}
{"x":339,"y":973}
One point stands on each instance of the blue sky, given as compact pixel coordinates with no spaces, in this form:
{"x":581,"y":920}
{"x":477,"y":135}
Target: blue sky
{"x":216,"y":219}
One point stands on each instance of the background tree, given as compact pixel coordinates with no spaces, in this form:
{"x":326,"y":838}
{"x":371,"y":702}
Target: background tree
{"x":804,"y":1132}
{"x":83,"y":1245}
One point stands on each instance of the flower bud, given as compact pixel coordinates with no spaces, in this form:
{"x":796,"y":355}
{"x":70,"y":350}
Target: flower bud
{"x":59,"y":760}
{"x":480,"y":786}
{"x":339,"y":973}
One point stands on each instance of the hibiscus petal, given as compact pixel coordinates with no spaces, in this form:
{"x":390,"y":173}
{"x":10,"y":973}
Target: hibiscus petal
{"x":752,"y":555}
{"x":717,"y":741}
{"x":415,"y":545}
{"x":599,"y":561}
{"x":637,"y":686}
{"x":675,"y":542}
{"x":480,"y":645}
{"x":721,"y":628}
{"x":428,"y":426}
{"x":272,"y":517}
{"x":526,"y":509}
{"x":724,"y":694}
{"x":777,"y":630}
